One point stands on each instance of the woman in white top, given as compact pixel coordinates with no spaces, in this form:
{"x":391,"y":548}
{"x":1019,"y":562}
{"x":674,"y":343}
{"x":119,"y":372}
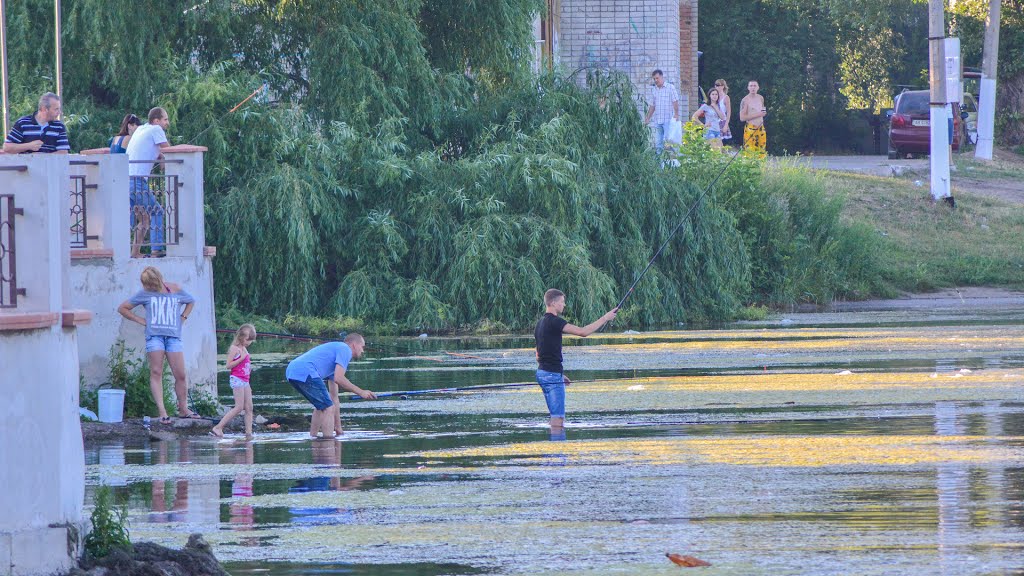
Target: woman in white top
{"x":726,"y":106}
{"x":712,"y":115}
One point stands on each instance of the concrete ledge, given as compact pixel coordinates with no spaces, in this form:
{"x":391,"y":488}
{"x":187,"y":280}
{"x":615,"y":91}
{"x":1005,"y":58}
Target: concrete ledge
{"x":183,"y":148}
{"x":28,"y":320}
{"x":94,"y":151}
{"x":89,"y":253}
{"x":73,"y":318}
{"x":209,"y":251}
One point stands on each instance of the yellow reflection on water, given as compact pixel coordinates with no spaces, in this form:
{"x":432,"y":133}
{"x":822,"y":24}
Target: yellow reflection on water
{"x":778,"y":451}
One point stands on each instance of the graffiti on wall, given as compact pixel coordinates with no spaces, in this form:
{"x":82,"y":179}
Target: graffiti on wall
{"x":630,"y":49}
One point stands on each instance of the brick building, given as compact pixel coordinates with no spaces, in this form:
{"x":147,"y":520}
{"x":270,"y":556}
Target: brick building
{"x":630,"y":36}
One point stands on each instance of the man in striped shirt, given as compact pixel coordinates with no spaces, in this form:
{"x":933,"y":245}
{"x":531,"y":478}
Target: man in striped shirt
{"x":662,"y":107}
{"x":39,"y":132}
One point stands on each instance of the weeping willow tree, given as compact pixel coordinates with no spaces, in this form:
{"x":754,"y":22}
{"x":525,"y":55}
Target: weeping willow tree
{"x":405,"y":166}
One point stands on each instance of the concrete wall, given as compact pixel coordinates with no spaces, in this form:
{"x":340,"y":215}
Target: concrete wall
{"x":631,"y":36}
{"x":102,"y":284}
{"x":42,"y":467}
{"x":104,"y":276}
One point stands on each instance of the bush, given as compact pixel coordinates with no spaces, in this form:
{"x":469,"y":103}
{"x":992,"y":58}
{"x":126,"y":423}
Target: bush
{"x":109,"y":526}
{"x":322,"y":327}
{"x":130,"y":373}
{"x":203,"y":402}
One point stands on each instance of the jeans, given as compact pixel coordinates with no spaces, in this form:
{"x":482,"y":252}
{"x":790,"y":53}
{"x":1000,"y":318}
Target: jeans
{"x":659,"y":136}
{"x":164,"y":343}
{"x":140,"y":195}
{"x":314,"y":390}
{"x":553,"y":385}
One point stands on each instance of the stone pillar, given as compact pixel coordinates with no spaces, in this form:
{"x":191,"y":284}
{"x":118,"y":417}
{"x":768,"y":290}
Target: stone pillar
{"x":107,"y":204}
{"x":186,"y":162}
{"x":688,"y":56}
{"x":42,"y":466}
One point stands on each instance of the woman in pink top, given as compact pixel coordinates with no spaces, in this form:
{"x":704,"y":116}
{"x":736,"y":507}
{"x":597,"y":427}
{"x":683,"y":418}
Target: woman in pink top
{"x":238,"y":363}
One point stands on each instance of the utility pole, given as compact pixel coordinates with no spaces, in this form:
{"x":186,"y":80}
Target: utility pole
{"x":938,"y":121}
{"x":60,"y":59}
{"x":3,"y":63}
{"x":989,"y":69}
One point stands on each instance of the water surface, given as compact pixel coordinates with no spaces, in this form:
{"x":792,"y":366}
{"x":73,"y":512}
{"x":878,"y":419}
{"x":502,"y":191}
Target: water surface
{"x":867,"y":442}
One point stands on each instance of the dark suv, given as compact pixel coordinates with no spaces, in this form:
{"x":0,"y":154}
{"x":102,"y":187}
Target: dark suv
{"x":910,"y":125}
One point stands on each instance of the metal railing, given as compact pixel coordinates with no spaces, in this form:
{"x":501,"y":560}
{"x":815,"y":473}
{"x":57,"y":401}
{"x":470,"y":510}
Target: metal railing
{"x":78,"y":212}
{"x":9,"y":290}
{"x":78,"y":201}
{"x":154,"y":212}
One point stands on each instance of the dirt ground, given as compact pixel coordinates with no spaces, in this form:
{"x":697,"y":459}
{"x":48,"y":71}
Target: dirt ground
{"x":950,"y":298}
{"x":964,"y":180}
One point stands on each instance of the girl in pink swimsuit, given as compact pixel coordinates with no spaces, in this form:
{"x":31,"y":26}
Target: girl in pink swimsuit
{"x":238,"y":363}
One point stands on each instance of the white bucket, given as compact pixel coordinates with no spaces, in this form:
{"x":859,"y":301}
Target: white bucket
{"x":111,"y":405}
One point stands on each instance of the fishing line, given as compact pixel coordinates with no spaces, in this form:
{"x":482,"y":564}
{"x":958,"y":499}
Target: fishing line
{"x":490,"y":387}
{"x":676,"y":229}
{"x":229,"y":112}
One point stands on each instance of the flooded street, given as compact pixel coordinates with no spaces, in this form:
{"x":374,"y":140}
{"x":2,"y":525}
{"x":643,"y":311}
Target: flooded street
{"x":868,"y":442}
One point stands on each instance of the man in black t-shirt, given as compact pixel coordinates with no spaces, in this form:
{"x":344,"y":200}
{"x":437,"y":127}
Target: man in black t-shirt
{"x":548,"y":334}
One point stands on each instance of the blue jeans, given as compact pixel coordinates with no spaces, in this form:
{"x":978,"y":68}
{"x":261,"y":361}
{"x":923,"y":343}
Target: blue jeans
{"x":659,"y":136}
{"x":140,"y":195}
{"x":553,"y":385}
{"x":314,"y":390}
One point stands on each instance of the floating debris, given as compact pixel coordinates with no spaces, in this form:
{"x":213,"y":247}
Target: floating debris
{"x":686,"y":561}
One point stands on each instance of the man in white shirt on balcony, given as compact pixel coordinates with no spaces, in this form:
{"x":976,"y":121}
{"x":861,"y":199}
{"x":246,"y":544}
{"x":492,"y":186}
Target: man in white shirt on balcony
{"x":147,"y":210}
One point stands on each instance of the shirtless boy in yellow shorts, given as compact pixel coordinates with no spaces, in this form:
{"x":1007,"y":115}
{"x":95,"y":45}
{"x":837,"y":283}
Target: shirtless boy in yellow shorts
{"x":753,"y":111}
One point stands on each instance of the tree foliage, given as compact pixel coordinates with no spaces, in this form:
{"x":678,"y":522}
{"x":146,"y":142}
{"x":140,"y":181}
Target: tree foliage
{"x":405,"y":166}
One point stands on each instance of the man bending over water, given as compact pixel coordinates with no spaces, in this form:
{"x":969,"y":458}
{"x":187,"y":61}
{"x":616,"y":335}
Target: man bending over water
{"x":327,"y":362}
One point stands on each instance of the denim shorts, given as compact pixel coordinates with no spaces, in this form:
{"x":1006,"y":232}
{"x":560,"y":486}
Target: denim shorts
{"x":553,"y":385}
{"x":164,"y":344}
{"x":710,"y":134}
{"x":314,"y":390}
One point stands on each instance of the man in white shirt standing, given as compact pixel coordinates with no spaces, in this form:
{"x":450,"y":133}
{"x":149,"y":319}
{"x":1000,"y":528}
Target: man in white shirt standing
{"x":662,"y":107}
{"x":143,"y":151}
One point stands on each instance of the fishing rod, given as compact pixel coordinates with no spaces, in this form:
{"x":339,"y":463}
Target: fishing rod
{"x":229,"y":112}
{"x":341,"y":336}
{"x":488,"y":387}
{"x":676,"y":229}
{"x":298,"y":337}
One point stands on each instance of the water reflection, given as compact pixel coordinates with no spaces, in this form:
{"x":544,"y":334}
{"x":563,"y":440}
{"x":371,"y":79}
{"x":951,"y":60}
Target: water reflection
{"x":326,"y":453}
{"x":241,"y":515}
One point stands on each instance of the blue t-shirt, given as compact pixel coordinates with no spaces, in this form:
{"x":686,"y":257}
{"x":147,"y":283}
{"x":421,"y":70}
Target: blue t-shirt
{"x":319,"y":362}
{"x":163,"y":311}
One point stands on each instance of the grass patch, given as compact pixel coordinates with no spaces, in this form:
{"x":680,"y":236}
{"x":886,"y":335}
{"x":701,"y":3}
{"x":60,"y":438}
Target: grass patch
{"x":927,"y":246}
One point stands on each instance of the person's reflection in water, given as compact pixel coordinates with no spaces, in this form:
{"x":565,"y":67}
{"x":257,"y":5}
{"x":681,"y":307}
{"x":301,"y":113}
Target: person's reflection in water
{"x":557,"y":433}
{"x":241,"y":516}
{"x":176,"y":513}
{"x":325,"y":453}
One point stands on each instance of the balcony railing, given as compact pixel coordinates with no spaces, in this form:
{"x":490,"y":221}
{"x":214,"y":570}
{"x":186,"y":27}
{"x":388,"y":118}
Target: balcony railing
{"x":78,"y":206}
{"x":154,"y":211}
{"x":9,"y":290}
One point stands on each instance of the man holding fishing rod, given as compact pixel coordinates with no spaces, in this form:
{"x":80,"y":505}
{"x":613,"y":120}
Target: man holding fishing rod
{"x":327,"y":362}
{"x":548,"y":335}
